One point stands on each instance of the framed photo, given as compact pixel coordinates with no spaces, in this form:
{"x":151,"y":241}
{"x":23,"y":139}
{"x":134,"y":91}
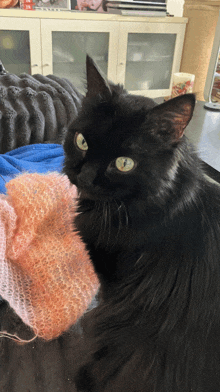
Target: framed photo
{"x":87,"y":5}
{"x":52,"y":5}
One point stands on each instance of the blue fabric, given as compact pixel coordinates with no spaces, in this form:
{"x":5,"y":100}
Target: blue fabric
{"x":35,"y":158}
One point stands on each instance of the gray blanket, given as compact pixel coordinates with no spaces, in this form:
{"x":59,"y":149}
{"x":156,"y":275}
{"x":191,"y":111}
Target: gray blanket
{"x":35,"y":109}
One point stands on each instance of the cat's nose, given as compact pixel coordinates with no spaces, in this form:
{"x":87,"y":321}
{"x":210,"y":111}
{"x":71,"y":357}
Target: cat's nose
{"x":86,"y":176}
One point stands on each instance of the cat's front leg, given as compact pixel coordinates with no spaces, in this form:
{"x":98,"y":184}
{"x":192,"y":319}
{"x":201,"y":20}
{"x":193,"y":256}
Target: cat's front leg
{"x":90,"y":376}
{"x":84,"y":379}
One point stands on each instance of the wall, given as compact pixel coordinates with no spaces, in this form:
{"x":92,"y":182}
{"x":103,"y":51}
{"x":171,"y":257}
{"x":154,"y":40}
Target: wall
{"x":175,"y":7}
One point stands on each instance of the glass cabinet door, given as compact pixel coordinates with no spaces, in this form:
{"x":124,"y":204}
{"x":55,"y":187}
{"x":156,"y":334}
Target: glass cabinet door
{"x":65,"y":45}
{"x":149,"y":61}
{"x":15,"y":51}
{"x":20,"y":45}
{"x":149,"y":56}
{"x":69,"y":54}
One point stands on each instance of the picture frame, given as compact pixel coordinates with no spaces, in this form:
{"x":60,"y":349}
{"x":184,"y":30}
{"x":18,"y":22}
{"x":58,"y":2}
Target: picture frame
{"x":87,"y":5}
{"x":53,"y":5}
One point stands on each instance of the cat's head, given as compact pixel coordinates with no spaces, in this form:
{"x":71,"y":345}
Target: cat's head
{"x":121,"y":145}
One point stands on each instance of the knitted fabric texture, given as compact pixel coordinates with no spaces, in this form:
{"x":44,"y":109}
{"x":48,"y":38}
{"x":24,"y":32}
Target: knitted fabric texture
{"x":45,"y":271}
{"x":35,"y":109}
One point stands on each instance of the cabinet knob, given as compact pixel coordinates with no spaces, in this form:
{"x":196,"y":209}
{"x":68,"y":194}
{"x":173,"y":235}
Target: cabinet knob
{"x":46,"y":65}
{"x":35,"y":65}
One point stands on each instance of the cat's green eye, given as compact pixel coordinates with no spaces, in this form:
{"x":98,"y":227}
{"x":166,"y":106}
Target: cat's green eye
{"x":124,"y":164}
{"x":81,"y":142}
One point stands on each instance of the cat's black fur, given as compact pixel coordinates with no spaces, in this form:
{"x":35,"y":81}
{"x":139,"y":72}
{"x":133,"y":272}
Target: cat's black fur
{"x":153,"y":234}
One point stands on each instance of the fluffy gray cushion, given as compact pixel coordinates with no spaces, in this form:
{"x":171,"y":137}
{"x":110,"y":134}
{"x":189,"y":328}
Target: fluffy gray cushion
{"x":35,"y":109}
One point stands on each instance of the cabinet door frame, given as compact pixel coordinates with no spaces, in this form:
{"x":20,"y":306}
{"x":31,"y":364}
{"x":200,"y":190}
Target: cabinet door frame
{"x":155,"y":28}
{"x":49,"y":25}
{"x":33,"y":27}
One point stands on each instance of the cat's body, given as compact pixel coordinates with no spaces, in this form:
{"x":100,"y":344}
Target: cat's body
{"x":151,"y":222}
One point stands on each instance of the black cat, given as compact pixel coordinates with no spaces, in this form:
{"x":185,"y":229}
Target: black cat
{"x":151,"y":222}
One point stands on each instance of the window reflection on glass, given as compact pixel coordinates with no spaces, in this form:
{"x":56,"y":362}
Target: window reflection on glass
{"x":69,"y":54}
{"x":15,"y":51}
{"x":149,"y":61}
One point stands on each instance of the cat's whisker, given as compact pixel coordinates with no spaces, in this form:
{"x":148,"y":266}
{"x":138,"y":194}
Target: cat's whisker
{"x":104,"y":219}
{"x":126,"y":213}
{"x":105,"y":214}
{"x":139,"y":258}
{"x":119,"y":220}
{"x":119,"y":208}
{"x":94,"y":220}
{"x":109,"y":222}
{"x":102,"y":225}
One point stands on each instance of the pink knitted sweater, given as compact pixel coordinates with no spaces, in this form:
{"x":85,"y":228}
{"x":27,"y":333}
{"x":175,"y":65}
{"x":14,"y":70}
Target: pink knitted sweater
{"x":45,"y":271}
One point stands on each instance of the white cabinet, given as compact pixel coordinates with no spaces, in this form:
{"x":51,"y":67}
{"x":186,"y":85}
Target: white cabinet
{"x":141,"y":53}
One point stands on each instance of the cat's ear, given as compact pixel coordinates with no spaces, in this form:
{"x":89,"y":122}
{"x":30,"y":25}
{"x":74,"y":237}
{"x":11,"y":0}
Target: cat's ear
{"x":96,"y":83}
{"x":179,"y":111}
